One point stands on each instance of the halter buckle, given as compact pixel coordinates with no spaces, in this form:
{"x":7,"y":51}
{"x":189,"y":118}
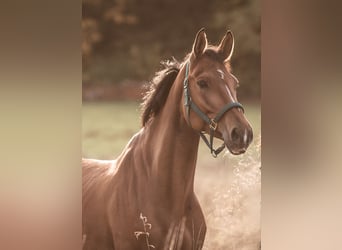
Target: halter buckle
{"x":213,"y":124}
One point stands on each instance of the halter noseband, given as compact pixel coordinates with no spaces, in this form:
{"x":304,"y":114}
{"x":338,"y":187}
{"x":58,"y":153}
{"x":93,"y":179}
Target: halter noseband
{"x":212,"y":122}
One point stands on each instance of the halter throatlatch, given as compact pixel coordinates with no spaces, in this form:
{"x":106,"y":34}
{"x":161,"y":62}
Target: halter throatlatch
{"x":212,"y":122}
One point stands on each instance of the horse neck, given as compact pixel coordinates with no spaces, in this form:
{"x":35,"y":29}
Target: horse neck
{"x":173,"y":147}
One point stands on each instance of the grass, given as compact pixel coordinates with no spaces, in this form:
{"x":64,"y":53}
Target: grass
{"x":228,"y":187}
{"x":145,"y":233}
{"x":107,"y":127}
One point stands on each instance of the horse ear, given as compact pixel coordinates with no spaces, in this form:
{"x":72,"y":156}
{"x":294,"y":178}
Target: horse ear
{"x":200,"y":43}
{"x":226,"y":46}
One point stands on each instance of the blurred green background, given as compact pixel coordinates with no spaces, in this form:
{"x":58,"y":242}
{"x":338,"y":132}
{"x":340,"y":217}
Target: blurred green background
{"x":124,"y":41}
{"x":108,"y":126}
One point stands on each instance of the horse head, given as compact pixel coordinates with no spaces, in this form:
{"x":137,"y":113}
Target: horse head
{"x":210,"y":95}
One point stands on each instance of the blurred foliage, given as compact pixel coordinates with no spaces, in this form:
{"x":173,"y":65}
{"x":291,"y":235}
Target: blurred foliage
{"x":124,"y":40}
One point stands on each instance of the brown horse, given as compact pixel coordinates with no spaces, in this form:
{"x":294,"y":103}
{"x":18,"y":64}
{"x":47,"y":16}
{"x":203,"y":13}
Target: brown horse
{"x":145,"y":198}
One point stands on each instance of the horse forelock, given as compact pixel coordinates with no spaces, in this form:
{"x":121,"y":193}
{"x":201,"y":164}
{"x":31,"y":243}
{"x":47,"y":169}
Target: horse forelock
{"x":158,"y":90}
{"x":213,"y":54}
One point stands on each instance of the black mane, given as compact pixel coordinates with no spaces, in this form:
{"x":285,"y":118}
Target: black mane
{"x":158,"y":90}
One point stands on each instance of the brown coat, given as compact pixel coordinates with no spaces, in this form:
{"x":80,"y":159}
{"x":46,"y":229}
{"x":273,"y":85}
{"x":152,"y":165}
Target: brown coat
{"x":145,"y":198}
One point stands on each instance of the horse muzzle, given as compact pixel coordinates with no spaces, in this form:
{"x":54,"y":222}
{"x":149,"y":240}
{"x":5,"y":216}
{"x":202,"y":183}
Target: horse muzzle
{"x":237,"y":139}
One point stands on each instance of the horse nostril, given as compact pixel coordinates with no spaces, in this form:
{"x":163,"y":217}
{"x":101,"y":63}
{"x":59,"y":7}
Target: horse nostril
{"x":235,"y":135}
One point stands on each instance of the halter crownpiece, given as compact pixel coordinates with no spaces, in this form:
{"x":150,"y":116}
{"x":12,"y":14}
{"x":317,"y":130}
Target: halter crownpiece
{"x":212,"y":122}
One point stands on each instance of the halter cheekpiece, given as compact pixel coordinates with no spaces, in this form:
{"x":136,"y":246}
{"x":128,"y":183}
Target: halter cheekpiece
{"x":212,"y":122}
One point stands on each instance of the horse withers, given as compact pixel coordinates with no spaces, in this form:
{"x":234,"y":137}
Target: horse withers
{"x":145,"y":198}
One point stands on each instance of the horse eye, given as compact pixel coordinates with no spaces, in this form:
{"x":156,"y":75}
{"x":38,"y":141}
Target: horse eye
{"x":202,"y":84}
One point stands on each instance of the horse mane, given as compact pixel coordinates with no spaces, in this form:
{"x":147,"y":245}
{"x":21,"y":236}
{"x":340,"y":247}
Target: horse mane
{"x":158,"y":89}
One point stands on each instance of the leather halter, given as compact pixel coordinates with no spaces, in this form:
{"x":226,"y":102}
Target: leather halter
{"x":212,"y":122}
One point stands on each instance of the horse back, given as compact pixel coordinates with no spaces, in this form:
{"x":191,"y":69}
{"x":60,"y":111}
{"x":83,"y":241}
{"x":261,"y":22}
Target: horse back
{"x":96,"y":176}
